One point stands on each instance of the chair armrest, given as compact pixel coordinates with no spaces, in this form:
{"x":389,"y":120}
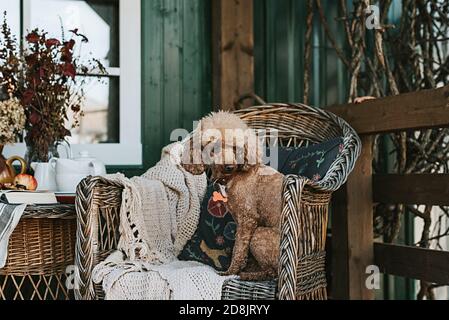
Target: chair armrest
{"x":303,"y":238}
{"x":97,"y":205}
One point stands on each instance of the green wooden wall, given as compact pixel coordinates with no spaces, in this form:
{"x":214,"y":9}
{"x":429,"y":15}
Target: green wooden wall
{"x":279,"y":54}
{"x":176,"y":72}
{"x":176,"y":65}
{"x":176,"y":69}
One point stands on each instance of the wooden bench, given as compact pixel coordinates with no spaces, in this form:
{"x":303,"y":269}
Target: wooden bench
{"x":353,"y":248}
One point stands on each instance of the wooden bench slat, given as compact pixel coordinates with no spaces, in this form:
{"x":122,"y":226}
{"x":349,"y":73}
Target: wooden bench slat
{"x":428,"y":189}
{"x":415,"y":110}
{"x":412,"y":262}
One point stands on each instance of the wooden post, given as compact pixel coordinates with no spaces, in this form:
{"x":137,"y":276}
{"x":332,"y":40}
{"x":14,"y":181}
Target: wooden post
{"x":233,"y":51}
{"x":352,"y":230}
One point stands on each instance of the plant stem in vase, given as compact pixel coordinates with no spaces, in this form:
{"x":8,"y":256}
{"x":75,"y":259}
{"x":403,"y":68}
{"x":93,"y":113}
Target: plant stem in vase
{"x":40,"y":154}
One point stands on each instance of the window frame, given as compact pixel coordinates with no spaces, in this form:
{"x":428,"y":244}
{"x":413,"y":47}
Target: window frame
{"x":128,"y":152}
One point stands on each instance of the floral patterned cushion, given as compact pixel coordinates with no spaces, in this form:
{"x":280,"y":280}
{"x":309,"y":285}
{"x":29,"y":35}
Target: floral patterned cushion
{"x":213,"y":241}
{"x":312,"y":162}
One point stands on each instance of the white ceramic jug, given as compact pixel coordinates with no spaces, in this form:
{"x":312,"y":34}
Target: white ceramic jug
{"x":45,"y":175}
{"x":69,"y":172}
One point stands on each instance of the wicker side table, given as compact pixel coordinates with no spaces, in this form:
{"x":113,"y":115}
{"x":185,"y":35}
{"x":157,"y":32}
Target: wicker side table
{"x":40,"y":249}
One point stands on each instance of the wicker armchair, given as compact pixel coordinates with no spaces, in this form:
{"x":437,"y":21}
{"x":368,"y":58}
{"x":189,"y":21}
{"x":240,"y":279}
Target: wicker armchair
{"x":304,"y":218}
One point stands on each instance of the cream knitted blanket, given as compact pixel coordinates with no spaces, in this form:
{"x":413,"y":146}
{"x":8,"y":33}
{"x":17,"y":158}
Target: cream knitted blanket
{"x":159,"y":214}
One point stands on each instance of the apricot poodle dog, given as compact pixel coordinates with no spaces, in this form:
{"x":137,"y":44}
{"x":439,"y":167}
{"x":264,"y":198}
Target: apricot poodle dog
{"x":253,"y":192}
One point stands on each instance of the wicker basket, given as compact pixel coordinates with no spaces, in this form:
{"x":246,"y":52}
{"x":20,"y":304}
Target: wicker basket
{"x":304,"y":217}
{"x":40,"y":248}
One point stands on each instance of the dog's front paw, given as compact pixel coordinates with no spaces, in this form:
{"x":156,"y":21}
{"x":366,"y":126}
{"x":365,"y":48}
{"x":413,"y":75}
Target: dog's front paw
{"x":229,"y":272}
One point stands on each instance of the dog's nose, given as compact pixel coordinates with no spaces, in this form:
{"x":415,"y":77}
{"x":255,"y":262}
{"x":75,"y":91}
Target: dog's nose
{"x":228,"y":169}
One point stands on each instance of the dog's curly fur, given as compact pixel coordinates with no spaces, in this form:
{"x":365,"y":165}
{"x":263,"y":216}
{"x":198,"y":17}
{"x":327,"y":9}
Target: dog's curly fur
{"x":254,"y":194}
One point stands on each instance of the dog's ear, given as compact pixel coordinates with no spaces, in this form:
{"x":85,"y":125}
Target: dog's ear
{"x":191,"y":159}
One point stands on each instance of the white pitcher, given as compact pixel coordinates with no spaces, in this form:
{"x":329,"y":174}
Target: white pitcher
{"x":44,"y":173}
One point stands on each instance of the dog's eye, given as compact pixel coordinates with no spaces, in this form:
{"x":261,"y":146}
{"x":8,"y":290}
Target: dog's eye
{"x":228,"y":169}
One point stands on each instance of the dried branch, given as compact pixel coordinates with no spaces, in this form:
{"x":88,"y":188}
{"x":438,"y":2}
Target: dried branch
{"x":308,"y":50}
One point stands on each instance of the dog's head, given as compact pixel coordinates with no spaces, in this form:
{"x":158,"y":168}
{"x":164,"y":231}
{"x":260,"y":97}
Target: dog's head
{"x":223,"y":142}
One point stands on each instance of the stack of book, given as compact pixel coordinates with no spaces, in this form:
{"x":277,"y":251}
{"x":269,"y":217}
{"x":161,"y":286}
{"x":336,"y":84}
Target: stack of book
{"x":35,"y":197}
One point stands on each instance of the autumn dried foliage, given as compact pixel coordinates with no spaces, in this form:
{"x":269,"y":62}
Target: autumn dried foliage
{"x":48,"y":78}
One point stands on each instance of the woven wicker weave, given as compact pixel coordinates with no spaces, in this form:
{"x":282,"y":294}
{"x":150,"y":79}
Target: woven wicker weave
{"x":304,"y":216}
{"x":40,"y":248}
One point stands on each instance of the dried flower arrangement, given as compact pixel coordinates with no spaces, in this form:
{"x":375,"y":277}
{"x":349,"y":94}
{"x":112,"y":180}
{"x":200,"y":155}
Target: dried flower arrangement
{"x":12,"y":120}
{"x":46,"y":76}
